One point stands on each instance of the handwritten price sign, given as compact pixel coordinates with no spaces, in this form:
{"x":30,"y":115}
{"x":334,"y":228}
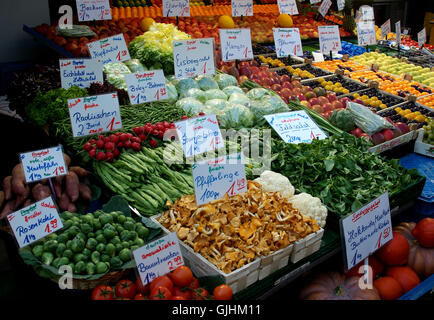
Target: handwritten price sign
{"x":193,"y":57}
{"x":341,"y":5}
{"x":324,"y":7}
{"x":89,"y":10}
{"x":329,"y":39}
{"x":217,"y":177}
{"x":94,"y":114}
{"x":366,"y":33}
{"x":385,"y":29}
{"x":35,"y":222}
{"x":287,"y":6}
{"x":398,"y":32}
{"x":146,"y":86}
{"x":367,"y":12}
{"x":43,"y":164}
{"x":158,"y":257}
{"x":366,"y":230}
{"x":242,"y":8}
{"x":236,"y":44}
{"x":112,"y":49}
{"x":176,"y":8}
{"x":421,"y":37}
{"x":287,"y":42}
{"x":295,"y":127}
{"x":80,"y":72}
{"x":199,"y":135}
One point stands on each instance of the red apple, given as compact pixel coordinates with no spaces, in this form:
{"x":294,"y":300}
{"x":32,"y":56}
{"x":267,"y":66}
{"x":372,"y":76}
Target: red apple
{"x":317,"y":108}
{"x":255,"y":70}
{"x":332,"y":97}
{"x":287,"y":85}
{"x":286,"y":92}
{"x":397,"y":132}
{"x":388,"y":134}
{"x":403,"y":127}
{"x":322,"y":100}
{"x":285,"y":78}
{"x":327,"y":107}
{"x":297,"y":84}
{"x":357,"y":132}
{"x":296,"y":91}
{"x":378,"y":138}
{"x":344,"y":101}
{"x":314,"y":101}
{"x":301,"y":97}
{"x":305,"y":90}
{"x":276,"y":87}
{"x":337,"y":105}
{"x":275,"y":80}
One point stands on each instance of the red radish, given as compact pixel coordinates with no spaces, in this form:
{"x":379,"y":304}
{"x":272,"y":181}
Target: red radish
{"x":136,"y":146}
{"x":109,"y":155}
{"x":114,"y":138}
{"x":123,"y":137}
{"x":127,"y":144}
{"x":100,"y":156}
{"x":153,"y":143}
{"x":161,"y":135}
{"x":120,"y":145}
{"x":106,"y":139}
{"x":92,"y":141}
{"x":130,"y":135}
{"x":142,"y":137}
{"x":100,"y":144}
{"x":184,"y":118}
{"x":155,"y":133}
{"x":109,"y":146}
{"x":116,"y":152}
{"x":92,"y":153}
{"x":87,"y":146}
{"x":136,"y":139}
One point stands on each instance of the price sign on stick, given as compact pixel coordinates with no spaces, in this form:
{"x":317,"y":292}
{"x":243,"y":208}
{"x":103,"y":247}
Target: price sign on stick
{"x":80,"y":72}
{"x":94,"y":114}
{"x":89,"y":10}
{"x":341,"y":5}
{"x":35,"y":222}
{"x":398,"y":32}
{"x":176,"y":8}
{"x":111,"y":49}
{"x":43,"y":164}
{"x":366,"y":33}
{"x":421,"y":37}
{"x":242,"y":8}
{"x":366,"y":230}
{"x":385,"y":29}
{"x":314,"y":1}
{"x":199,"y":135}
{"x":367,"y":12}
{"x":158,"y":258}
{"x":287,"y":42}
{"x":324,"y":7}
{"x":295,"y":127}
{"x":194,"y":57}
{"x":217,"y":177}
{"x":288,"y":6}
{"x":236,"y":44}
{"x":146,"y":86}
{"x":329,"y":39}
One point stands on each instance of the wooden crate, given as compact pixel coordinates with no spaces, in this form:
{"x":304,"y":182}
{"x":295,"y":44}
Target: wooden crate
{"x":306,"y":246}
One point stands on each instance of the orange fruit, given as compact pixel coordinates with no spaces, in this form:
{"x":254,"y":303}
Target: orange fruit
{"x":284,"y":20}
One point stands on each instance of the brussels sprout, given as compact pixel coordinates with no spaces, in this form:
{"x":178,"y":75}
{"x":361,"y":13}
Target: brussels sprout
{"x":63,"y":261}
{"x":100,"y":247}
{"x":91,"y":243}
{"x":96,"y":224}
{"x":66,"y":215}
{"x":97,"y":213}
{"x":128,"y":225}
{"x":61,"y":247}
{"x":101,"y":239}
{"x":68,"y":244}
{"x":105,"y":218}
{"x":125,"y":244}
{"x":116,"y":262}
{"x":91,"y":235}
{"x":73,"y":231}
{"x":115,"y":240}
{"x":71,"y":265}
{"x":87,"y":219}
{"x":52,"y":236}
{"x":80,"y":267}
{"x":98,"y":232}
{"x":79,"y":257}
{"x":134,"y":247}
{"x":139,"y":242}
{"x":77,"y":245}
{"x":95,"y":257}
{"x":125,"y":255}
{"x":68,"y":253}
{"x":105,"y":257}
{"x":50,"y":245}
{"x":90,"y":268}
{"x":38,"y":250}
{"x":62,"y":238}
{"x":132,"y":235}
{"x":109,"y":233}
{"x":101,"y":267}
{"x":142,"y":232}
{"x":82,"y":236}
{"x":87,"y":252}
{"x":125,"y":235}
{"x":121,"y":218}
{"x":56,"y":263}
{"x":110,"y":249}
{"x":86,"y":228}
{"x":47,"y":258}
{"x":66,"y":224}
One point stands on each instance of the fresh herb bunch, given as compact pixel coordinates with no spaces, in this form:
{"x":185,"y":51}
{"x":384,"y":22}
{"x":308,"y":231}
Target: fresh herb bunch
{"x":340,"y":171}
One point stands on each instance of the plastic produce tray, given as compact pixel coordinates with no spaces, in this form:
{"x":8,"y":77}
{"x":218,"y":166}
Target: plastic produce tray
{"x":346,"y":83}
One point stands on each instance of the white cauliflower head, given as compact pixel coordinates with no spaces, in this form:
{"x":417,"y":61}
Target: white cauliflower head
{"x":310,"y":206}
{"x":275,"y":182}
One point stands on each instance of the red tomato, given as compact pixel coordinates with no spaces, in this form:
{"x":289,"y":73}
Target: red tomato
{"x":125,"y":289}
{"x":139,"y":296}
{"x":181,"y":276}
{"x":140,"y":287}
{"x":178,"y":298}
{"x":187,"y":294}
{"x":223,"y":292}
{"x":194,"y":283}
{"x":200,"y":294}
{"x":162,"y":281}
{"x":103,"y":292}
{"x":160,"y":293}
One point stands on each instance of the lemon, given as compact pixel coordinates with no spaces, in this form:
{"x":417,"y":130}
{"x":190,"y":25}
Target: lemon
{"x":284,"y":20}
{"x":226,"y":22}
{"x":356,"y":95}
{"x":146,"y":23}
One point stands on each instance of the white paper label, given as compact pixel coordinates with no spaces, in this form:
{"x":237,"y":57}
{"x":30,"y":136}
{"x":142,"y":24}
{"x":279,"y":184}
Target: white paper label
{"x":146,"y":86}
{"x":329,"y":39}
{"x":89,"y":10}
{"x":242,"y":8}
{"x":421,"y":37}
{"x":366,"y":230}
{"x":317,"y":56}
{"x":43,"y":164}
{"x":194,"y":57}
{"x":176,"y":8}
{"x":112,"y":49}
{"x":367,"y":13}
{"x":341,"y":5}
{"x":366,"y":35}
{"x":80,"y":72}
{"x":287,"y":42}
{"x":385,"y":29}
{"x":314,"y":1}
{"x":236,"y":44}
{"x":324,"y":7}
{"x":158,"y":258}
{"x":94,"y":114}
{"x":199,"y":135}
{"x":35,"y":222}
{"x":217,"y":177}
{"x":295,"y":127}
{"x":398,"y":32}
{"x":287,"y":6}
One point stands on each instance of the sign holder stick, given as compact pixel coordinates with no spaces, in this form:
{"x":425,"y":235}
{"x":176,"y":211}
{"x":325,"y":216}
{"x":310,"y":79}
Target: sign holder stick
{"x":53,"y":192}
{"x":365,"y":270}
{"x":331,"y":55}
{"x":241,"y":18}
{"x":177,"y":20}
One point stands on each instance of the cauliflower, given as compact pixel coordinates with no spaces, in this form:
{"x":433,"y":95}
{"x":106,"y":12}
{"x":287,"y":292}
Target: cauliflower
{"x":275,"y":182}
{"x":310,"y":206}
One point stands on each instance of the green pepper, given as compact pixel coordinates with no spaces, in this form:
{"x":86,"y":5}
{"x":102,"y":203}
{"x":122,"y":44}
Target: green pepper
{"x":86,"y":228}
{"x":62,"y":238}
{"x":47,"y":258}
{"x":80,"y":267}
{"x":129,"y":225}
{"x":101,"y":267}
{"x":50,"y":245}
{"x":100,"y":247}
{"x":95,"y":257}
{"x":63,"y":261}
{"x":110,"y":249}
{"x":68,"y":253}
{"x":90,"y":268}
{"x":142,"y":232}
{"x":125,"y":235}
{"x":116,"y":262}
{"x":91,"y":243}
{"x":38,"y":250}
{"x":139,"y":242}
{"x":61,"y":247}
{"x":101,"y":239}
{"x":121,"y":219}
{"x":105,"y":257}
{"x":56,"y":263}
{"x":109,"y":233}
{"x":77,"y":245}
{"x":125,"y":255}
{"x":125,"y":244}
{"x":79,"y":257}
{"x":105,"y":218}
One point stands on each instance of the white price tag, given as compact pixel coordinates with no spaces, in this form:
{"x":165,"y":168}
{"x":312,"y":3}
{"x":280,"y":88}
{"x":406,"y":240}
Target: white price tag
{"x":398,"y":32}
{"x":146,"y":86}
{"x":89,"y":10}
{"x":158,"y":258}
{"x":317,"y":56}
{"x":367,"y":12}
{"x":242,"y":8}
{"x":295,"y":127}
{"x":35,"y":222}
{"x":236,"y":44}
{"x":287,"y":6}
{"x":287,"y":42}
{"x":176,"y":8}
{"x":80,"y":72}
{"x":193,"y":57}
{"x":385,"y":29}
{"x":324,"y":7}
{"x":43,"y":164}
{"x":341,"y":5}
{"x":366,"y":35}
{"x":314,"y":1}
{"x":421,"y":37}
{"x":111,"y":49}
{"x":217,"y":177}
{"x":329,"y":39}
{"x":94,"y":114}
{"x":366,"y":230}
